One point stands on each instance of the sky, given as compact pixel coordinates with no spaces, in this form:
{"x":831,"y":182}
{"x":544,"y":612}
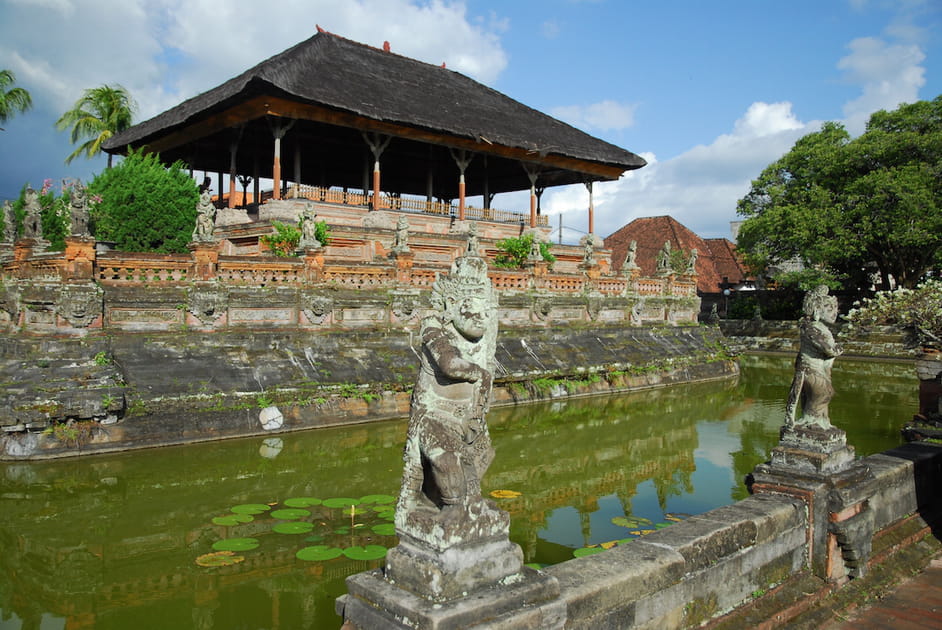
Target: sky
{"x":709,"y":93}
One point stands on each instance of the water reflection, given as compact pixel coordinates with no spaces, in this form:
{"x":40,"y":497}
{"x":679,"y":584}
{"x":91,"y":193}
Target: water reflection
{"x":111,"y":541}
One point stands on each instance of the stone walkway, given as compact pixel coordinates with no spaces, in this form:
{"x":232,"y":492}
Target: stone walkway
{"x":913,"y":605}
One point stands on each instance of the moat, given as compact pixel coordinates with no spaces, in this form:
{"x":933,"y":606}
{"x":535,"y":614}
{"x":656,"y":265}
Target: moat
{"x":117,"y":541}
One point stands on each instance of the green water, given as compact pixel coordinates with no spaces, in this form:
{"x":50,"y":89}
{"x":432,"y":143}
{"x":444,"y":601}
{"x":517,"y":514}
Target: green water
{"x":112,"y":542}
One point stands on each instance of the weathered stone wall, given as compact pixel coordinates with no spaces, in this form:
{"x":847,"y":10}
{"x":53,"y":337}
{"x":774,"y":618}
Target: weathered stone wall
{"x":782,"y":336}
{"x":706,"y":566}
{"x":141,"y":389}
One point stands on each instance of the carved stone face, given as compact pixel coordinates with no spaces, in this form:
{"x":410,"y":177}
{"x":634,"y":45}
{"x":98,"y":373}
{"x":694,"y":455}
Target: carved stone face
{"x":828,"y":311}
{"x":468,"y":317}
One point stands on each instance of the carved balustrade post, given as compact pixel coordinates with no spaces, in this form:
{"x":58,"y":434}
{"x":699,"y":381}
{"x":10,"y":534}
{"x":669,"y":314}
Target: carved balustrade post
{"x":205,"y":259}
{"x":404,"y":262}
{"x":79,"y":258}
{"x":313,"y":264}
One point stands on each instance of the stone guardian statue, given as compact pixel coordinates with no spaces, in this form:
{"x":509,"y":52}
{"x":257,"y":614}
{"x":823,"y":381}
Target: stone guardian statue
{"x":308,"y":225}
{"x":9,"y":222}
{"x":78,"y":211}
{"x":205,"y":218}
{"x":32,"y":222}
{"x":811,"y":387}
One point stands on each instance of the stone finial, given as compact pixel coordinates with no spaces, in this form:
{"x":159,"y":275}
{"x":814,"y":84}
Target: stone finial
{"x":205,"y":218}
{"x":78,"y":211}
{"x":32,"y":222}
{"x":401,"y":242}
{"x":692,"y":262}
{"x":308,"y":221}
{"x":9,"y":222}
{"x":664,"y":260}
{"x":811,"y":387}
{"x":631,"y":262}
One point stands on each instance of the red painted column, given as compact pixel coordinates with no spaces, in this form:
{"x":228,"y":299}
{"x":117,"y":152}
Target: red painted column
{"x":532,"y":206}
{"x":461,"y":198}
{"x":376,"y":199}
{"x":276,"y":170}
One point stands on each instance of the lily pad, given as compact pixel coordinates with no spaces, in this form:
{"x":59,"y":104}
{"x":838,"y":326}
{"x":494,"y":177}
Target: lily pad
{"x":290,"y":514}
{"x":369,"y":552}
{"x":631,"y":522}
{"x":318,"y":553}
{"x":292,"y":527}
{"x":384,"y":529}
{"x":231,"y":520}
{"x":219,"y":559}
{"x":641,"y":532}
{"x":250,"y":508}
{"x":235,"y":544}
{"x":315,"y":538}
{"x":342,"y":530}
{"x":661,"y":525}
{"x":379,"y":499}
{"x":339,"y":502}
{"x":536,"y":565}
{"x":301,"y":502}
{"x":505,"y":494}
{"x":586,"y":551}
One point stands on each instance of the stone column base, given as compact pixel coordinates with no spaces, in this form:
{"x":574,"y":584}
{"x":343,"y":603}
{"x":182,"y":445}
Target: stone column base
{"x":814,"y":450}
{"x":527,"y":600}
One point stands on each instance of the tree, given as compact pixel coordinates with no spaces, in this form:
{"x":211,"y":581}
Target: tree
{"x":143,"y":206}
{"x":101,"y":113}
{"x":845,"y":207}
{"x":15,"y":100}
{"x":514,"y":251}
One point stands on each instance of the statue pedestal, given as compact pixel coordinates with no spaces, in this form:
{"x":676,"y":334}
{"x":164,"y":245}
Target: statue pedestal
{"x":816,"y":466}
{"x":812,"y":449}
{"x":453,"y":573}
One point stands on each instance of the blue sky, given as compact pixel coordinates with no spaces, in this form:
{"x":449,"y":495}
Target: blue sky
{"x":709,"y":93}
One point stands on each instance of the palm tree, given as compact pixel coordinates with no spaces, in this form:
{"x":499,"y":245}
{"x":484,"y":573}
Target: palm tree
{"x":101,"y":113}
{"x":16,"y":100}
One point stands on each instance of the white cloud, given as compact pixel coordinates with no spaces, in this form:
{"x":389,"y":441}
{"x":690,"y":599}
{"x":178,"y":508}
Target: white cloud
{"x":889,"y":75}
{"x":606,"y":115}
{"x":550,"y":29}
{"x":700,"y":187}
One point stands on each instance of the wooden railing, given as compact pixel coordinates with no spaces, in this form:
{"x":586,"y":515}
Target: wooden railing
{"x":415,"y":205}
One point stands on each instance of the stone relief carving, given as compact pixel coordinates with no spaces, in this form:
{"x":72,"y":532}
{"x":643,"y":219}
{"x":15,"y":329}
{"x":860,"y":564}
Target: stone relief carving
{"x":542,"y":307}
{"x":811,"y":387}
{"x":32,"y":222}
{"x":79,"y":304}
{"x":205,"y":218}
{"x":316,"y":307}
{"x":692,"y":262}
{"x":405,"y":306}
{"x":10,"y":302}
{"x":593,"y":307}
{"x":208,"y":303}
{"x":78,"y":211}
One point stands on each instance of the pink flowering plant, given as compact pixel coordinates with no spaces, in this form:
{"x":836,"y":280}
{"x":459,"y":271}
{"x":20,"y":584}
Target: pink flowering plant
{"x":917,"y":311}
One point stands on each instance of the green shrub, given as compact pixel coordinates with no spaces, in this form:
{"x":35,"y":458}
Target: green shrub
{"x":515,"y":250}
{"x":144,"y":206}
{"x":284,"y":242}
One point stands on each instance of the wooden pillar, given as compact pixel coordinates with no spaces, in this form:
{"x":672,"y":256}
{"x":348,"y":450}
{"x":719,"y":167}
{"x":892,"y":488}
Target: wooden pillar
{"x":233,"y":147}
{"x":256,"y":186}
{"x":377,"y":143}
{"x":278,"y":130}
{"x":219,"y":185}
{"x":588,"y":185}
{"x":297,"y":166}
{"x":533,"y":171}
{"x":462,"y":158}
{"x":487,"y":186}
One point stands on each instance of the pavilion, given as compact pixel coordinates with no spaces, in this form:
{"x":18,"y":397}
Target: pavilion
{"x":335,"y":113}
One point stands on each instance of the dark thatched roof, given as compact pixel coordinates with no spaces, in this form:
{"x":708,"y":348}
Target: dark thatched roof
{"x":360,"y":87}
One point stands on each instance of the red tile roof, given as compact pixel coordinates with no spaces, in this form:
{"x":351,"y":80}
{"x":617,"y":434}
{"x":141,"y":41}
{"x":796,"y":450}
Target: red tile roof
{"x":716,"y":256}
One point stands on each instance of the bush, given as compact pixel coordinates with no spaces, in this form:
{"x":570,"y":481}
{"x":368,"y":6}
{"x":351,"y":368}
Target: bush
{"x":515,"y":250}
{"x":145,"y":206}
{"x":284,"y":242}
{"x":916,"y":311}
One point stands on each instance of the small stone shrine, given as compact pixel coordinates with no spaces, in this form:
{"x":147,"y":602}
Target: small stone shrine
{"x":455,"y":566}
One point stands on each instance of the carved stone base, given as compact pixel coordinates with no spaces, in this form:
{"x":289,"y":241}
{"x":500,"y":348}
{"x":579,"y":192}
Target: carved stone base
{"x":811,"y":449}
{"x":527,"y":600}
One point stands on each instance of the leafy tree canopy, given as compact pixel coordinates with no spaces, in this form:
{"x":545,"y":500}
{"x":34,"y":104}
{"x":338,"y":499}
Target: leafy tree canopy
{"x":846,"y":207}
{"x":143,"y":206}
{"x":14,"y":100}
{"x":98,"y":115}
